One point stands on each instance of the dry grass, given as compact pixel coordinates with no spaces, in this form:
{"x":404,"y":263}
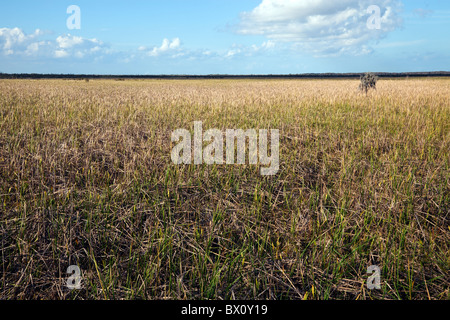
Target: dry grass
{"x":86,"y":179}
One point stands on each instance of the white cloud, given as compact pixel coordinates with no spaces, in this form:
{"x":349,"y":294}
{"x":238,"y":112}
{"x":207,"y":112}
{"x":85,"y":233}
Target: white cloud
{"x":232,"y":52}
{"x":13,"y":40}
{"x":166,"y":46}
{"x":16,"y":42}
{"x":267,"y":45}
{"x":320,"y":26}
{"x":68,"y":45}
{"x":61,"y":54}
{"x":253,"y":50}
{"x":68,"y":41}
{"x":35,"y":47}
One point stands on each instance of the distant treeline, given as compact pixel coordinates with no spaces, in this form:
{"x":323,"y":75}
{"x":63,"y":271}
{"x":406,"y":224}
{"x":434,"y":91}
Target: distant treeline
{"x":223,"y":76}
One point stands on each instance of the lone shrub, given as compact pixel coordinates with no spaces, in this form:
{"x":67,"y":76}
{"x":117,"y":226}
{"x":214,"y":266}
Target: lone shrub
{"x":368,"y":81}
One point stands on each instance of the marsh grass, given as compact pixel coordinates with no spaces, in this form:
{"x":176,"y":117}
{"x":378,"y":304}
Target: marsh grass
{"x":86,"y":179}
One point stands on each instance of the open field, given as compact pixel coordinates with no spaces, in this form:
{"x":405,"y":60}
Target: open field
{"x":86,"y":179}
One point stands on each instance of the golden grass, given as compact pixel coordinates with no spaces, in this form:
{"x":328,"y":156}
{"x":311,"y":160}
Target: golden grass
{"x":86,"y":179}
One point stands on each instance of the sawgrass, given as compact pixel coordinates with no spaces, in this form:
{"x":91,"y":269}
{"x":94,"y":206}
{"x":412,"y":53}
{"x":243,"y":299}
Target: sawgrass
{"x":86,"y":179}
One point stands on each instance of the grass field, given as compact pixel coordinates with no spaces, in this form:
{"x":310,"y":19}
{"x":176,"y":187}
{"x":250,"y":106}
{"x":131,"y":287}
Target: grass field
{"x":86,"y":179}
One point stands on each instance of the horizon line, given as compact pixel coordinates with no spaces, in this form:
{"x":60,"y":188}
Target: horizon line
{"x":221,"y":75}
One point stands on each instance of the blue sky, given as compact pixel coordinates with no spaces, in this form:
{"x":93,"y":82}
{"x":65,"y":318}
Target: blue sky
{"x":224,"y":36}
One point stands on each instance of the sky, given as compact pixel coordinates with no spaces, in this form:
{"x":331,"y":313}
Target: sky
{"x":223,"y":36}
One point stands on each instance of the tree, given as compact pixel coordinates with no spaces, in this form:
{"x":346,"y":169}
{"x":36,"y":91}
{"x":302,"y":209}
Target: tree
{"x":368,"y":81}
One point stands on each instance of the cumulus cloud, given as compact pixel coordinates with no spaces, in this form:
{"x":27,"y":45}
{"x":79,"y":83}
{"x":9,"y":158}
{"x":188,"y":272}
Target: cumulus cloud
{"x":13,"y":40}
{"x":266,"y":45}
{"x":69,"y":41}
{"x":233,"y":52}
{"x":78,"y":47}
{"x":253,"y":50}
{"x":166,"y":47}
{"x":16,"y":42}
{"x":320,"y":26}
